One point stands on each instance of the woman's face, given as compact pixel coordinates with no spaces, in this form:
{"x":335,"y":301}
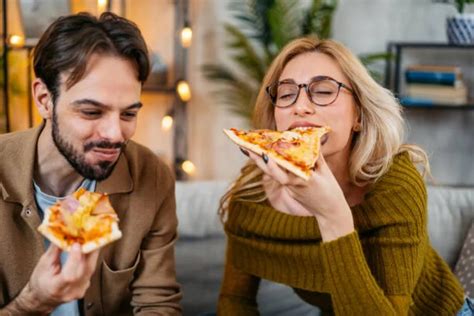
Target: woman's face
{"x":340,"y":116}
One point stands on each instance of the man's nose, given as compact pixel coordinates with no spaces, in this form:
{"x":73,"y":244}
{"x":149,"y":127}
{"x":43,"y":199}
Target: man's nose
{"x":111,"y":129}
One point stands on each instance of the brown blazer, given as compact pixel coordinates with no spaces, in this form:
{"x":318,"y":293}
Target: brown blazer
{"x":136,"y":274}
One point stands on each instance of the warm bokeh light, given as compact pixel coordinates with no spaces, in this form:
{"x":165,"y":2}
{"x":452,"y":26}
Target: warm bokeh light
{"x":167,"y":122}
{"x":186,"y":36}
{"x":101,"y":6}
{"x":16,"y":41}
{"x":184,"y":91}
{"x":188,"y":167}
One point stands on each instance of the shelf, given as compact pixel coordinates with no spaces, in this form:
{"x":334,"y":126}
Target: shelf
{"x":441,"y":107}
{"x":430,"y":45}
{"x":394,"y":68}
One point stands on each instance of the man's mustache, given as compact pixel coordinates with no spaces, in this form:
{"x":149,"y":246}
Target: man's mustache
{"x":103,"y":144}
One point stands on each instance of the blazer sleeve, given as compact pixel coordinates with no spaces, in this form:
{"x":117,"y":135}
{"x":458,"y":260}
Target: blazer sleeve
{"x":238,"y":295}
{"x":155,"y":289}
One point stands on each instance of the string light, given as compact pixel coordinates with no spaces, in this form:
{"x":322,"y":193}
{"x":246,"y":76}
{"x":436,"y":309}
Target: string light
{"x":166,"y":122}
{"x":184,"y":91}
{"x":101,"y":5}
{"x":186,"y":36}
{"x":188,"y":167}
{"x":16,"y":41}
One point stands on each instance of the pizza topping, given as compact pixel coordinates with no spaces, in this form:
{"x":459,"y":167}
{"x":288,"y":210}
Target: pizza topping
{"x":80,"y":218}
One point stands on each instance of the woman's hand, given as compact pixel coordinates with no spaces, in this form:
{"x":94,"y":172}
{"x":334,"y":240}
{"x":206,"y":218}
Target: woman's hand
{"x":320,"y":196}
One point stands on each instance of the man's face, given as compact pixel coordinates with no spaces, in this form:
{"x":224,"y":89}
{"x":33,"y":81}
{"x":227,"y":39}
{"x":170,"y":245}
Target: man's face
{"x":93,"y":120}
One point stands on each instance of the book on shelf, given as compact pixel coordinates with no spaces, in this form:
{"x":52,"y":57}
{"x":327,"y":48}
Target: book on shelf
{"x":420,"y":101}
{"x":433,"y":74}
{"x":438,"y":93}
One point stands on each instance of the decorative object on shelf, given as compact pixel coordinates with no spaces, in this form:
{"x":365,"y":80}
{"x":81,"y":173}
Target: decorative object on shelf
{"x":460,"y":27}
{"x":263,"y":29}
{"x":37,"y":15}
{"x":158,"y":73}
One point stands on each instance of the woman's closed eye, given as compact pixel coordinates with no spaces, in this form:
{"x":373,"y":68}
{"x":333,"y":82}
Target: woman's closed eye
{"x":323,"y":92}
{"x":286,"y":96}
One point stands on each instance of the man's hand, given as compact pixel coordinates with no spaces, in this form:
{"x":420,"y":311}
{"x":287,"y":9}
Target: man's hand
{"x":50,"y":285}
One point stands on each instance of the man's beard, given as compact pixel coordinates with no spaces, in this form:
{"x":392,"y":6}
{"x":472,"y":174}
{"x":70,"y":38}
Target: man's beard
{"x":99,"y":171}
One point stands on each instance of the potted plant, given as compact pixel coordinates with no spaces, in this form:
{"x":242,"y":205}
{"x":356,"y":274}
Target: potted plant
{"x":460,"y":27}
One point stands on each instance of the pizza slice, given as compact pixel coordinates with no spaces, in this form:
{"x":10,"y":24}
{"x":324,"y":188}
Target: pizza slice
{"x":84,"y":217}
{"x":296,"y":150}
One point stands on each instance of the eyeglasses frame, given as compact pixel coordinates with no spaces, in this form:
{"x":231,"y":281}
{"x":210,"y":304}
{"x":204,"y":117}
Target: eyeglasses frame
{"x":305,"y":86}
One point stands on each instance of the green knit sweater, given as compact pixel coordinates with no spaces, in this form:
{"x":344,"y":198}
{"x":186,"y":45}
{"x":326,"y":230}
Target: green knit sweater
{"x":386,"y":267}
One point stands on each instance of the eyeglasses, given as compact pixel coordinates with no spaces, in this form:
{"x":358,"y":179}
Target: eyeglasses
{"x":321,"y":90}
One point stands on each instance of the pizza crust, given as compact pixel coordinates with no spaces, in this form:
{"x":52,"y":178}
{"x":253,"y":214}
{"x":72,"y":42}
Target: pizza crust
{"x":258,"y":150}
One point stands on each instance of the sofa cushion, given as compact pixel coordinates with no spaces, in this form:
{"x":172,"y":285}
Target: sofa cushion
{"x":450,"y":211}
{"x":197,"y":203}
{"x":465,"y":266}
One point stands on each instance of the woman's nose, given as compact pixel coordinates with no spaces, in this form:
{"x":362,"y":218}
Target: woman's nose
{"x":303,"y":105}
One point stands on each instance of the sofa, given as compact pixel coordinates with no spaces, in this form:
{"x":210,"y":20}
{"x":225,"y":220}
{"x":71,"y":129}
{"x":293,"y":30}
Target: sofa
{"x":200,"y":249}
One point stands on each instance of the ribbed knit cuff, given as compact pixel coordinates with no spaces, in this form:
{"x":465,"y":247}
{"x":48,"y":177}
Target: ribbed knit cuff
{"x":354,"y":290}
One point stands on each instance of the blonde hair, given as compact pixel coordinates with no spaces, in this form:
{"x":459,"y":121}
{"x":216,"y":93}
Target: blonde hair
{"x":382,"y":126}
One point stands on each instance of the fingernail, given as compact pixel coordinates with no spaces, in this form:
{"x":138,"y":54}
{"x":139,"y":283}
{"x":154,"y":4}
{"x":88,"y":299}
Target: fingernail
{"x":265,"y":158}
{"x":246,"y":153}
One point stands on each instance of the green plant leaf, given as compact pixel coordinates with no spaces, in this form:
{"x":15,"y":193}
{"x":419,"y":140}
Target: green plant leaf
{"x":284,"y":18}
{"x":238,"y":95}
{"x":318,"y":19}
{"x":244,"y":54}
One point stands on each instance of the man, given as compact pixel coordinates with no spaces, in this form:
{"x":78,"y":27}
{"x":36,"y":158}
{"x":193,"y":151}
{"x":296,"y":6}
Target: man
{"x":89,"y":74}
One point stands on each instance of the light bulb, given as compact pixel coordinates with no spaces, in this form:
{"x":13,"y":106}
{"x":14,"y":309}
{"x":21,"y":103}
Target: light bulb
{"x":188,"y":167}
{"x":101,"y":5}
{"x":16,"y":41}
{"x":186,"y":36}
{"x":184,"y":91}
{"x":167,"y":122}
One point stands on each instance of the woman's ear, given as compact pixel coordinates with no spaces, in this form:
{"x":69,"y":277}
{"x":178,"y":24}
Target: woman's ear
{"x":357,"y":126}
{"x":42,"y":98}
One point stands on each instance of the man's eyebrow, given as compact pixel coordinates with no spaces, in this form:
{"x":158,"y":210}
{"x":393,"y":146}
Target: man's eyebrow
{"x":96,"y":103}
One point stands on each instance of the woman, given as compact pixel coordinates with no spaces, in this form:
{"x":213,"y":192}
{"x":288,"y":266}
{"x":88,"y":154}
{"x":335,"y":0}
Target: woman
{"x":353,"y":239}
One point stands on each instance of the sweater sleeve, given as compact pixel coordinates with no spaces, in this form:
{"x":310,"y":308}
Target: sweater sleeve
{"x":354,"y":290}
{"x":377,"y":275}
{"x":238,"y":295}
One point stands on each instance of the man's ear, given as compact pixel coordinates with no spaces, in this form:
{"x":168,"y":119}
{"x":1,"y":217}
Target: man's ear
{"x":43,"y":98}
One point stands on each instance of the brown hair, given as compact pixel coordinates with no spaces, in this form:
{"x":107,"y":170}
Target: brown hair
{"x":68,"y":43}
